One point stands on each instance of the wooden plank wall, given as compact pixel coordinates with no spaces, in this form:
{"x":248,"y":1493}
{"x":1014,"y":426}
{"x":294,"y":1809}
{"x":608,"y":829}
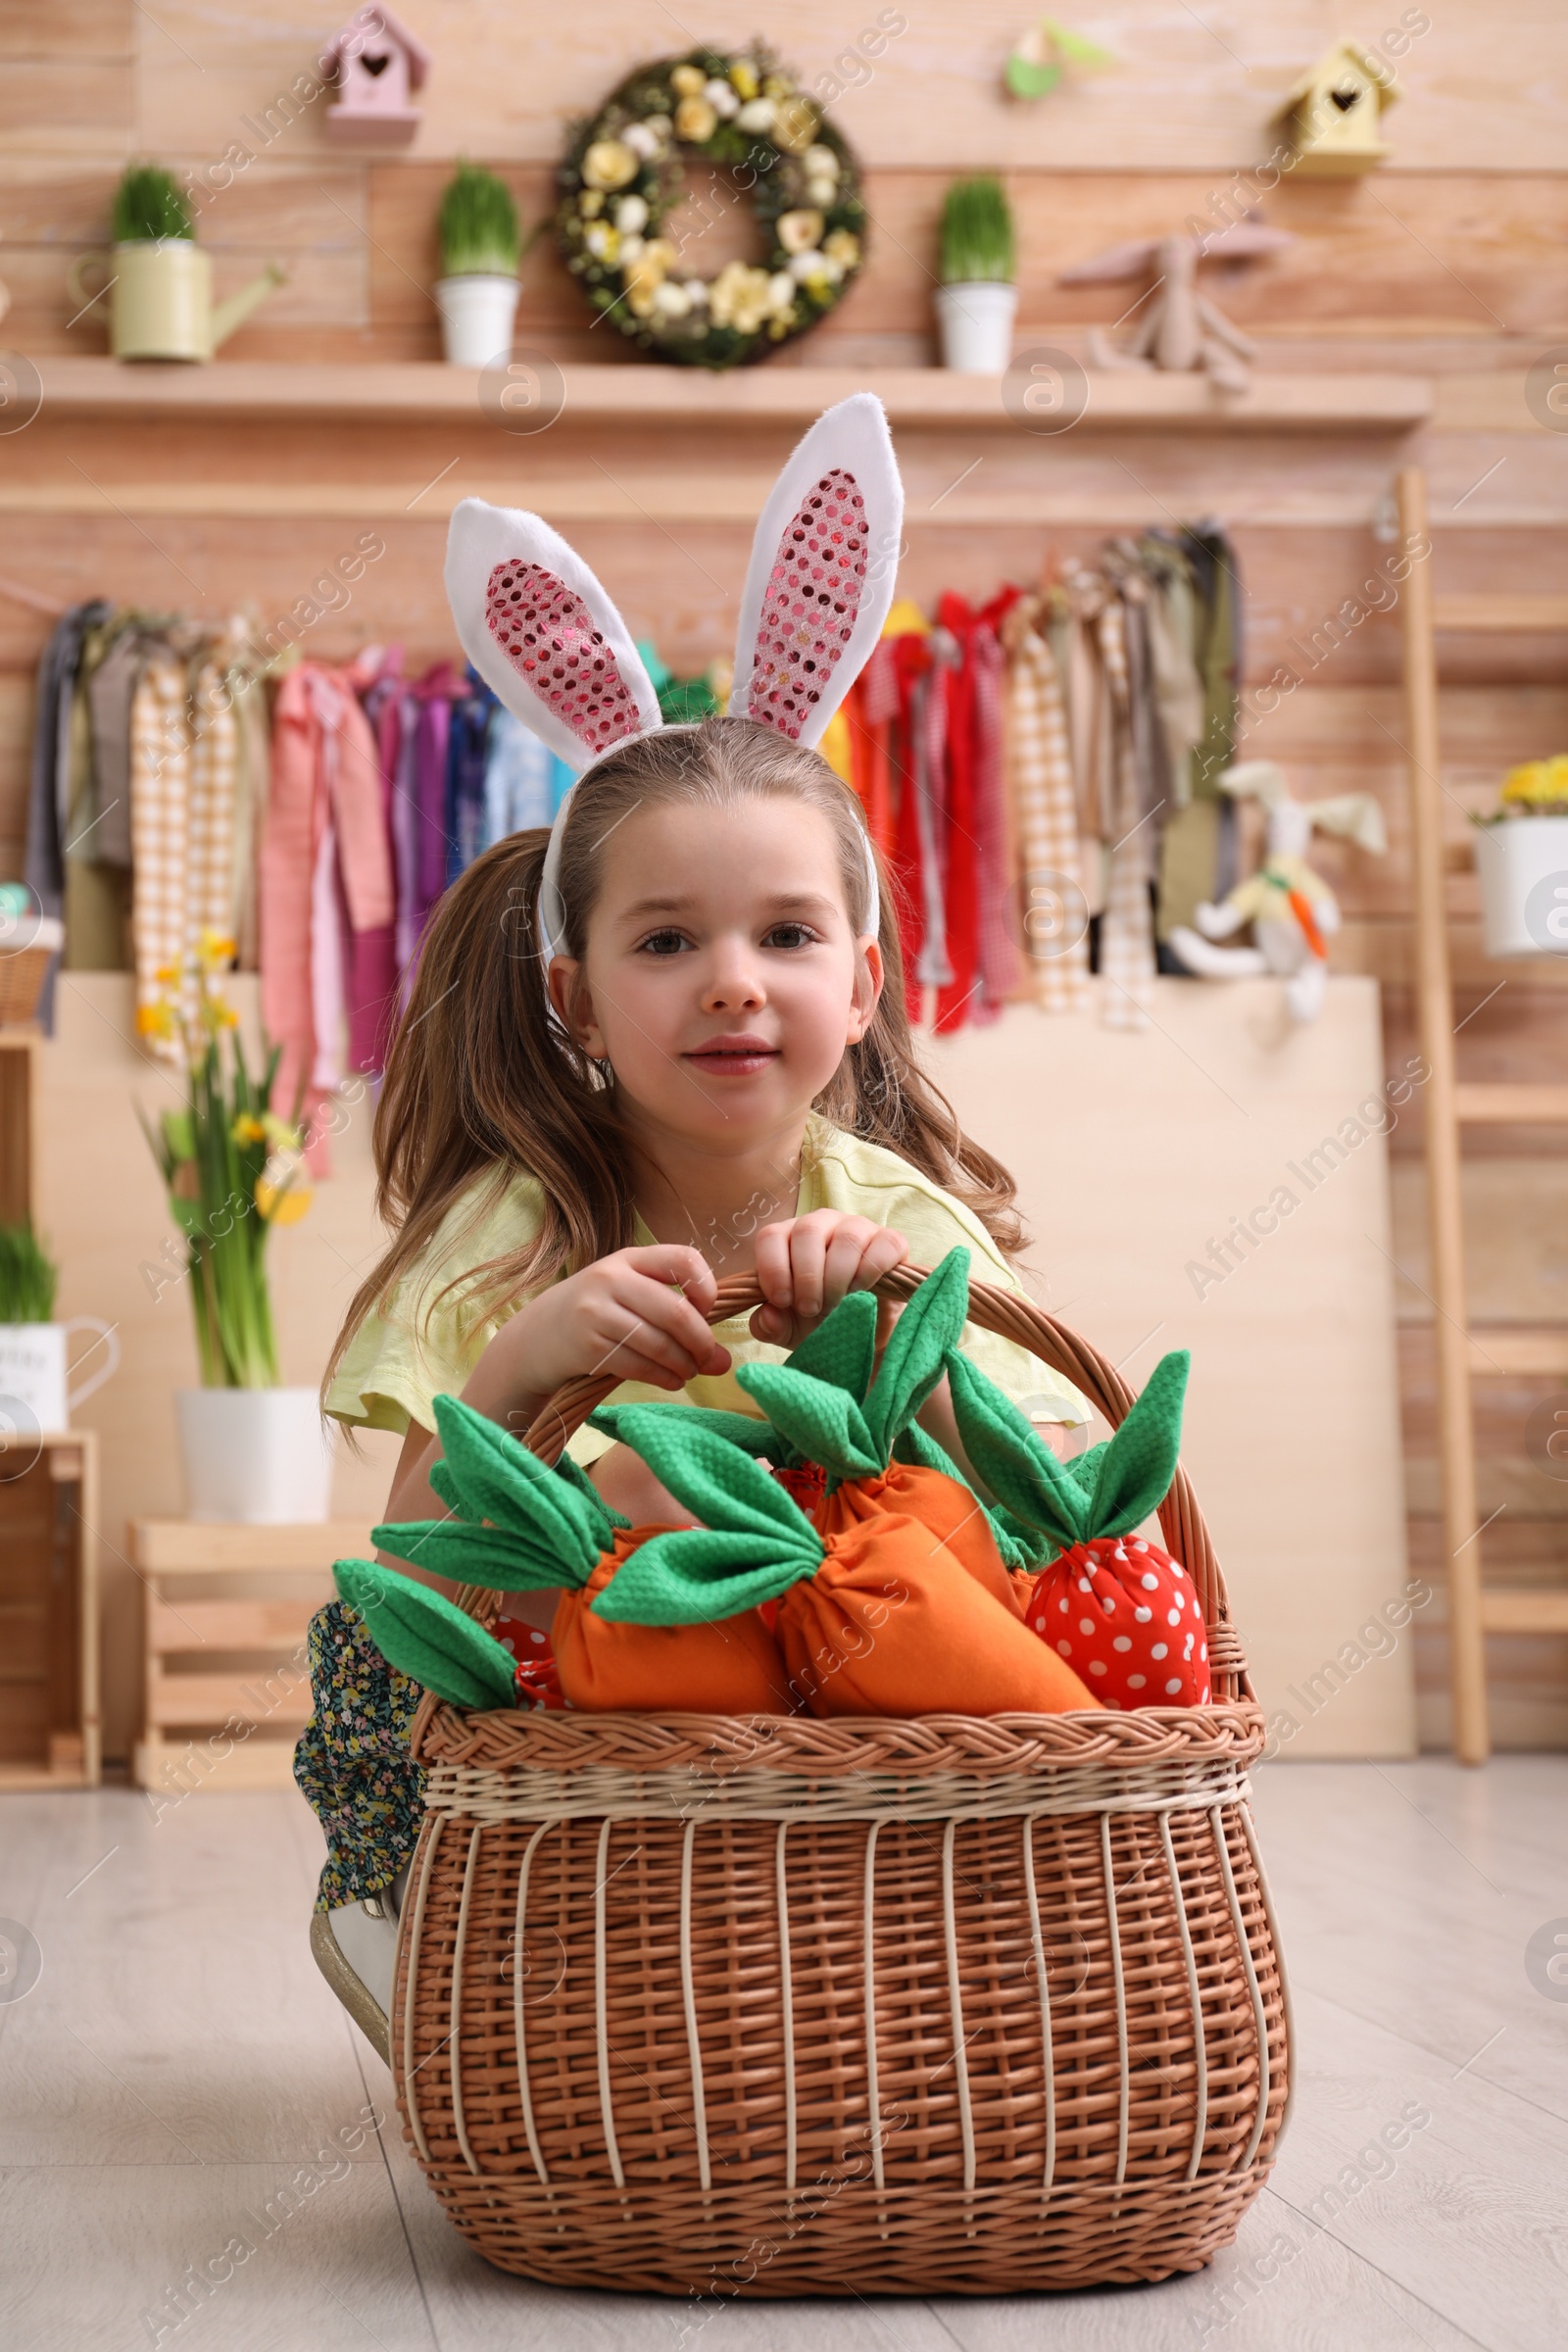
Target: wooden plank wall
{"x":1451,"y":262}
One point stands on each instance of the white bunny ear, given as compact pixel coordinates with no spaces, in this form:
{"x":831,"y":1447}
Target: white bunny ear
{"x":1355,"y":816}
{"x":820,"y":584}
{"x":540,"y":631}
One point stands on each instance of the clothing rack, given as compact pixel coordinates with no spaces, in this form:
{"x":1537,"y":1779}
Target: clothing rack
{"x":1475,"y":1608}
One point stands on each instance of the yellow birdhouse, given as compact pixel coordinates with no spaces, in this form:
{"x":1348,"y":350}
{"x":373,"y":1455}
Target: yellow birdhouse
{"x":1332,"y":115}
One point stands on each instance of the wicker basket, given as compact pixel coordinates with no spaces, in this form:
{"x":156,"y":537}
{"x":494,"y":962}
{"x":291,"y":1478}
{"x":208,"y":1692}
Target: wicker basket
{"x":22,"y":972}
{"x":786,"y":2007}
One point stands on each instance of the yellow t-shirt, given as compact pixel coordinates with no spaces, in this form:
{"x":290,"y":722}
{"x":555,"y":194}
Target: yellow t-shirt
{"x":422,"y":1345}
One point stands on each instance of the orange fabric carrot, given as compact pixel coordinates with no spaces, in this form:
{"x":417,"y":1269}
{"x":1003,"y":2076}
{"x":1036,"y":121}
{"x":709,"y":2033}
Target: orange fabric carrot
{"x":723,"y":1666}
{"x":527,"y":1529}
{"x":853,"y":1430}
{"x":879,"y":1619}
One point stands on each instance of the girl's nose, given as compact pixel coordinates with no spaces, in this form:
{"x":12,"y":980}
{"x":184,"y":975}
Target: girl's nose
{"x":734,"y":982}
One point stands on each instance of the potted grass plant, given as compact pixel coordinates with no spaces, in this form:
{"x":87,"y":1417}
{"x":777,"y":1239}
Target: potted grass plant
{"x":35,"y":1399}
{"x":477,"y":290}
{"x":1522,"y":860}
{"x":254,"y":1450}
{"x":160,"y":282}
{"x":978,"y":297}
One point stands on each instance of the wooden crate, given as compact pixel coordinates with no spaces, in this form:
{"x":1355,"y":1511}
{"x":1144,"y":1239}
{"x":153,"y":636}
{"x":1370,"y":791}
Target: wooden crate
{"x":49,"y":1719}
{"x":226,"y":1687}
{"x":19,"y":1050}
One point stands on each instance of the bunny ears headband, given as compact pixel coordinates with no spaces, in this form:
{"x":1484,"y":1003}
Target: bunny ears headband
{"x":540,"y":631}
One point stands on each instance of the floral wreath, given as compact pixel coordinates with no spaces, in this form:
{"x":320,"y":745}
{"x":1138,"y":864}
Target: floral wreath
{"x":625,"y":169}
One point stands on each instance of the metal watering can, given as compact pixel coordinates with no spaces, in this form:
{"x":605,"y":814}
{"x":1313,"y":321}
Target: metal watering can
{"x":161,"y":297}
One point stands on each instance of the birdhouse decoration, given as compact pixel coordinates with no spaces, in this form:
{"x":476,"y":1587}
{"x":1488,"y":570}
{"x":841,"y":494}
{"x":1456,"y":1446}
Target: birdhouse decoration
{"x":375,"y":65}
{"x":1331,"y":115}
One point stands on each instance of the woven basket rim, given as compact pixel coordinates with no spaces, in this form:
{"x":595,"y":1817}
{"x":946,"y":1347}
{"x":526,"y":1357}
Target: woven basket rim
{"x":826,"y":1746}
{"x":1079,"y":1738}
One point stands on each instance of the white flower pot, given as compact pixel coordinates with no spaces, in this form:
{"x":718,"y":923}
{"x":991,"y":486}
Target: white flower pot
{"x":259,"y":1457}
{"x":35,"y":1399}
{"x":976,"y":323}
{"x":1523,"y":865}
{"x":477,"y":315}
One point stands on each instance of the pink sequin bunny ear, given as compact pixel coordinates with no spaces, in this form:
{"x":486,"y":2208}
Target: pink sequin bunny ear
{"x":540,"y":631}
{"x":821,"y":576}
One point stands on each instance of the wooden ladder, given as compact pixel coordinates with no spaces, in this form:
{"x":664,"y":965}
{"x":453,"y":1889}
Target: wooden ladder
{"x":1473,"y":1611}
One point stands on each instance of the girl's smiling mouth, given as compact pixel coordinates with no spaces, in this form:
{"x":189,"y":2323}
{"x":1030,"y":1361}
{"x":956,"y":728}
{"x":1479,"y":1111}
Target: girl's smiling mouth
{"x":739,"y":1056}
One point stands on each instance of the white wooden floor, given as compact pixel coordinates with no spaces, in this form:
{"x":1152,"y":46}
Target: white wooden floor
{"x":179,"y":2060}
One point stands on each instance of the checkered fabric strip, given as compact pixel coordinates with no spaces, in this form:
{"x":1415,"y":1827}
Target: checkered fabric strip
{"x":160,"y":830}
{"x":1126,"y":930}
{"x":1046,"y":813}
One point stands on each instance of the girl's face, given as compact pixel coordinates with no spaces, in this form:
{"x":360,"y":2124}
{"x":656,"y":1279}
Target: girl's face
{"x":722,"y":980}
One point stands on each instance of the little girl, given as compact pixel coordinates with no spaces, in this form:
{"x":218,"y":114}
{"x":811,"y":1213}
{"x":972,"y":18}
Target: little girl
{"x":663,"y":1043}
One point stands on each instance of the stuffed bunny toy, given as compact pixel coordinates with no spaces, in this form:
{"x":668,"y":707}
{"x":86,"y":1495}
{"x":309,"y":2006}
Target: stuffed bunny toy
{"x":1293,"y":911}
{"x":1181,"y":329}
{"x":545,"y":636}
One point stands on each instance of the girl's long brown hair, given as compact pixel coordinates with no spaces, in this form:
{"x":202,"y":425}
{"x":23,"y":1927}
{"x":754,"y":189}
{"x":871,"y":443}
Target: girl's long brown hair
{"x":482,"y":1083}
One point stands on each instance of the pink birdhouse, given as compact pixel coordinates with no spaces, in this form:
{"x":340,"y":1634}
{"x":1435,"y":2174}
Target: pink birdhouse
{"x":375,"y":63}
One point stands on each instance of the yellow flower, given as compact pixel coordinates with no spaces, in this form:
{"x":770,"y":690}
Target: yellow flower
{"x":695,"y":122}
{"x":609,"y":164}
{"x":215,"y":948}
{"x":247,"y":1129}
{"x":1537,"y":784}
{"x":799,"y":231}
{"x":282,"y":1204}
{"x":155,"y":1020}
{"x":167,"y":975}
{"x":743,"y":76}
{"x":224,"y":1014}
{"x":688,"y":81}
{"x":843,"y":247}
{"x":796,"y":124}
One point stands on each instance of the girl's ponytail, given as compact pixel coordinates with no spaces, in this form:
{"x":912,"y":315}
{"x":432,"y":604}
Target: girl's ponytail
{"x":481,"y":1081}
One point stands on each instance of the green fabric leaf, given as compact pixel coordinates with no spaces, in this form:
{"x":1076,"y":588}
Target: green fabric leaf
{"x":724,"y":1488}
{"x":698,"y":1575}
{"x":1085,"y":1467}
{"x":1140,"y":1461}
{"x":471,"y":1554}
{"x":824,"y":1424}
{"x":1015,"y":1466}
{"x":577,"y":1478}
{"x":426,"y":1635}
{"x":744,"y":1429}
{"x":495,"y":1477}
{"x":1020,"y":1547}
{"x":914,"y":1358}
{"x":842,"y":1349}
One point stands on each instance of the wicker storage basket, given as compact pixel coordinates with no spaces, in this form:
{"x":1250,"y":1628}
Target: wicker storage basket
{"x":22,"y":972}
{"x":787,"y":2007}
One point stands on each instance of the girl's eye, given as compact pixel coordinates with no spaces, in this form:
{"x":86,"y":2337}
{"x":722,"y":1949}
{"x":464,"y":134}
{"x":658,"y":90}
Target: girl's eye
{"x":665,"y":942}
{"x":790,"y":935}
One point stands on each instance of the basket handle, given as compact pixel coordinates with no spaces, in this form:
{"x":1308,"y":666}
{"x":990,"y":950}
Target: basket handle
{"x":1011,"y":1317}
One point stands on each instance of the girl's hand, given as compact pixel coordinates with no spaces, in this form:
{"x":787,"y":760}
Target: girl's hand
{"x":639,"y":1314}
{"x":806,"y":1264}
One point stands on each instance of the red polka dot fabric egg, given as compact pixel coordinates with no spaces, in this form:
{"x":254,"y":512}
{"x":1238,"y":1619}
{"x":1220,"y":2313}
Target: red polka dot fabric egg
{"x":535,"y":1679}
{"x":1125,"y":1617}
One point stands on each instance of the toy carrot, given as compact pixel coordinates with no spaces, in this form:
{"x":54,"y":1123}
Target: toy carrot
{"x":856,"y":1442}
{"x":878,"y":1618}
{"x":1117,"y":1606}
{"x":541,"y":1531}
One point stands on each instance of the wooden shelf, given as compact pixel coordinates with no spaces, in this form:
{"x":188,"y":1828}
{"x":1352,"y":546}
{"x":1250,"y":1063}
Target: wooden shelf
{"x":102,"y":388}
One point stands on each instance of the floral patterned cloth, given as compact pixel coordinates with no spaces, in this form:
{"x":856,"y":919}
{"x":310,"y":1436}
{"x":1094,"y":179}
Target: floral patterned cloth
{"x":352,"y":1764}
